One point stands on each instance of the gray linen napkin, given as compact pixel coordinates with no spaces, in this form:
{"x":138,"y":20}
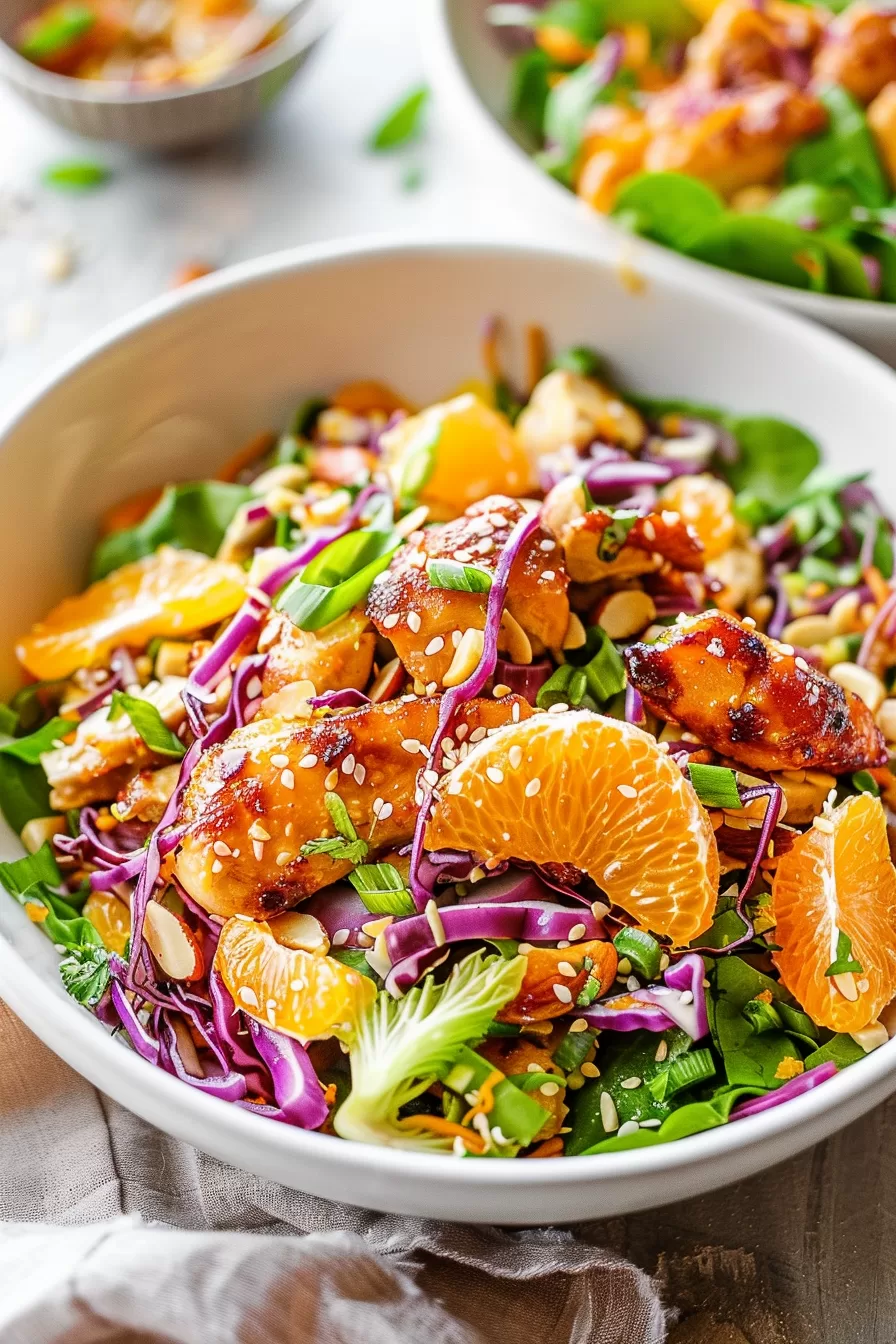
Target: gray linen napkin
{"x":111,"y":1231}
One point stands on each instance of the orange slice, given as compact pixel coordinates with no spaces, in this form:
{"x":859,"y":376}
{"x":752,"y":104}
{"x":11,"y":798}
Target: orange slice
{"x":708,"y":505}
{"x":169,"y":593}
{"x":582,"y":789}
{"x":455,"y":453}
{"x":111,"y":918}
{"x":838,"y":878}
{"x":299,"y":993}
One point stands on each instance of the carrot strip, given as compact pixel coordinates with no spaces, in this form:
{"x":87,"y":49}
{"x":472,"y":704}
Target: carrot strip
{"x":485,"y":1096}
{"x":880,"y":589}
{"x":536,"y":356}
{"x":550,"y":1148}
{"x":447,"y":1127}
{"x":251,"y":452}
{"x":130,"y":512}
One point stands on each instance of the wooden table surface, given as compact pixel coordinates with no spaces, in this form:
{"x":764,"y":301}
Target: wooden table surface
{"x":802,"y":1254}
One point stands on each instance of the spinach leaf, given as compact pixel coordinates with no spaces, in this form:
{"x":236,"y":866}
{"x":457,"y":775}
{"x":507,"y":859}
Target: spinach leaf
{"x":30,"y":749}
{"x":193,"y":517}
{"x":402,"y":124}
{"x":805,"y":201}
{"x":623,"y":1056}
{"x":750,"y":1060}
{"x":24,"y":792}
{"x":844,"y":155}
{"x":694,"y":1118}
{"x":570,"y":101}
{"x":670,"y":208}
{"x":529,"y":89}
{"x":764,"y":248}
{"x":845,"y":272}
{"x":841,"y":1049}
{"x":775,"y":458}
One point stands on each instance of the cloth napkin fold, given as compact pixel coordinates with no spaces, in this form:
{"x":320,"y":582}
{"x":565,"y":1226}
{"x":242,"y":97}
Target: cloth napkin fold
{"x":112,"y":1231}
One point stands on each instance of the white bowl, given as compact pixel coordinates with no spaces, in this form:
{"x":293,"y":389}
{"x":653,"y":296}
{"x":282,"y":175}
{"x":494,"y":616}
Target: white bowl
{"x":471,"y":71}
{"x":167,"y":118}
{"x":172,"y":391}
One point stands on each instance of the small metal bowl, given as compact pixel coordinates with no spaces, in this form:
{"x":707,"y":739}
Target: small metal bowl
{"x":165,"y":118}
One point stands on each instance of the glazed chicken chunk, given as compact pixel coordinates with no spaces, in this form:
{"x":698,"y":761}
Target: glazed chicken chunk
{"x":744,"y":43}
{"x":427,"y":625}
{"x":339,"y":655}
{"x":256,"y":799}
{"x":859,"y":52}
{"x":753,"y":699}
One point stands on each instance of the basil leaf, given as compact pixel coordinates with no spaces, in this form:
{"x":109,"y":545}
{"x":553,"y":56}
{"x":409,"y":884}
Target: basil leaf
{"x":148,"y":723}
{"x":49,"y":34}
{"x":382,"y":889}
{"x":193,"y":516}
{"x":457,"y":577}
{"x":76,"y":175}
{"x":844,"y":155}
{"x":716,"y":785}
{"x":670,"y":208}
{"x":30,"y":749}
{"x":402,"y":124}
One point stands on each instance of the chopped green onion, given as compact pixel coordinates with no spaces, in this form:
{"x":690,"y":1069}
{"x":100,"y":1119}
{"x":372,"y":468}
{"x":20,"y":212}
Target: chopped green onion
{"x":30,"y":749}
{"x":402,"y":124}
{"x":580,"y":359}
{"x":573,"y":1050}
{"x":716,"y":785}
{"x":338,"y":578}
{"x":354,"y":959}
{"x":76,"y":175}
{"x":382,"y":889}
{"x":865,"y":783}
{"x":517,"y":1115}
{"x":762,"y":1016}
{"x":497,"y":1028}
{"x":589,"y":992}
{"x":460,"y":578}
{"x":603,"y":668}
{"x":147,"y":723}
{"x":685,"y":1071}
{"x":555,"y":690}
{"x":615,"y":533}
{"x":50,"y":34}
{"x":283,"y":531}
{"x":844,"y":961}
{"x":641,"y":949}
{"x":419,"y":464}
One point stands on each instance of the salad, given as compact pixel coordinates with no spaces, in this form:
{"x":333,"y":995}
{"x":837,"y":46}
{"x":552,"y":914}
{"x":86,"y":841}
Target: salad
{"x":755,"y":135}
{"x":507,"y":777}
{"x":146,"y":45}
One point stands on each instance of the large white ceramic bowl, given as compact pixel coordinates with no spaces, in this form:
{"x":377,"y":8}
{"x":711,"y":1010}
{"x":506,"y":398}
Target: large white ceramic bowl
{"x":173,"y":390}
{"x":470,"y":68}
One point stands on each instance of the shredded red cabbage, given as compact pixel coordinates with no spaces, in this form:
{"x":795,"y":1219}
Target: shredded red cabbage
{"x":348,"y":698}
{"x":297,"y":1092}
{"x":679,"y":1002}
{"x":795,"y":1087}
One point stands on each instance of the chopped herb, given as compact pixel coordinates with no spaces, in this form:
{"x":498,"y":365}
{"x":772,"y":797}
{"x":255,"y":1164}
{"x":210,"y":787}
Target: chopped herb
{"x":403,"y":124}
{"x":346,"y":844}
{"x":147,"y":723}
{"x":573,"y":1050}
{"x":382,"y":889}
{"x":715,"y":785}
{"x":50,"y":34}
{"x":686,"y":1071}
{"x":85,"y":973}
{"x":844,"y":961}
{"x":614,"y":535}
{"x":461,"y":578}
{"x":865,"y":783}
{"x":76,"y":175}
{"x":762,"y":1016}
{"x":588,"y":992}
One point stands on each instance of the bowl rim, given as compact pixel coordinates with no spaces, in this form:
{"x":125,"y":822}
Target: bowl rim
{"x":75,"y":1035}
{"x":451,"y":74}
{"x":298,"y":38}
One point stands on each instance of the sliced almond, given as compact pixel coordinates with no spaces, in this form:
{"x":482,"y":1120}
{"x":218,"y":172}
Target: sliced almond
{"x":808,"y":630}
{"x":625,"y":613}
{"x":389,"y":682}
{"x":466,"y":657}
{"x":172,"y":943}
{"x":301,"y":932}
{"x":575,"y":636}
{"x":861,"y":682}
{"x":514,"y":640}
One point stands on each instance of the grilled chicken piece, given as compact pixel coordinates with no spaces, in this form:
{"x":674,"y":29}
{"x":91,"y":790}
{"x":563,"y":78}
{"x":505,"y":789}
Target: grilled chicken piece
{"x":105,"y":755}
{"x":146,"y":795}
{"x":256,"y":799}
{"x":567,"y":408}
{"x":859,"y":52}
{"x":743,"y":44}
{"x":595,"y":550}
{"x":752,"y":699}
{"x":339,"y":655}
{"x":426,"y":624}
{"x":730,"y":140}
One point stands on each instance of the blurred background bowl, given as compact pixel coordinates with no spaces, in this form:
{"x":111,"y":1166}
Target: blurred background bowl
{"x":166,"y":118}
{"x":471,"y":66}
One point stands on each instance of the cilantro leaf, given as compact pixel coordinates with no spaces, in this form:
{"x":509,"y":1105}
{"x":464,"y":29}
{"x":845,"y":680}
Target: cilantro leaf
{"x":844,"y":961}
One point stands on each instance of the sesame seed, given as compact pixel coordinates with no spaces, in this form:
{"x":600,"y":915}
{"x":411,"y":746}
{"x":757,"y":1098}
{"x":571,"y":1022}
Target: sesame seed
{"x":410,"y":745}
{"x":247,"y":995}
{"x":279,"y":760}
{"x":648,"y":530}
{"x":258,"y":832}
{"x":431,"y":778}
{"x":221,"y":847}
{"x":348,"y":764}
{"x":463,"y":556}
{"x":686,"y":997}
{"x":414,"y":622}
{"x":630,"y":1083}
{"x":515,"y":712}
{"x":340,"y":937}
{"x":785,"y":648}
{"x":435,"y":645}
{"x":563,"y":993}
{"x":283,"y":858}
{"x":308,"y":762}
{"x":650,"y":1124}
{"x":662,"y":1051}
{"x":477,"y":734}
{"x":385,"y":811}
{"x":515,"y":756}
{"x":505,"y":835}
{"x":629,"y":1127}
{"x":288,"y":779}
{"x":559,"y":708}
{"x":258,"y":850}
{"x":360,"y":773}
{"x":599,"y":909}
{"x":236,"y":853}
{"x":458,"y":1147}
{"x":589,"y":1070}
{"x":566,"y":968}
{"x":548,"y":574}
{"x":494,"y":774}
{"x":217,"y":866}
{"x":253,"y":690}
{"x":532,"y":787}
{"x":431,"y":687}
{"x":577,"y":931}
{"x":549,"y":1089}
{"x":863,"y":986}
{"x":524,"y":949}
{"x":579,"y":1025}
{"x":608,"y":1114}
{"x":632,"y":983}
{"x":499,"y":690}
{"x":626,"y":790}
{"x":297,"y":985}
{"x":547,"y":544}
{"x":802,"y":664}
{"x":533,"y":1067}
{"x":390,"y":621}
{"x":332,"y":779}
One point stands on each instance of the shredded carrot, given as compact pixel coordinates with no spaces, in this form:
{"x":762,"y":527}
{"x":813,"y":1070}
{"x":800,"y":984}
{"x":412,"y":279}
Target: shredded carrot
{"x":880,"y":589}
{"x":366,"y":395}
{"x":438,"y":1125}
{"x":330,"y":1093}
{"x":36,"y":911}
{"x":488,"y":351}
{"x":129,"y":513}
{"x":485,"y":1096}
{"x":550,"y":1148}
{"x":536,"y":350}
{"x":253,"y":450}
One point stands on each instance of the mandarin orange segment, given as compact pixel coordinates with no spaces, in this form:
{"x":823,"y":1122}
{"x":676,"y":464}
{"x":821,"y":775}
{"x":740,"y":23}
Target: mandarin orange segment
{"x":461,"y":450}
{"x":838,"y":878}
{"x":169,"y":593}
{"x":299,"y":993}
{"x":582,"y":789}
{"x":111,"y":918}
{"x":708,"y":505}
